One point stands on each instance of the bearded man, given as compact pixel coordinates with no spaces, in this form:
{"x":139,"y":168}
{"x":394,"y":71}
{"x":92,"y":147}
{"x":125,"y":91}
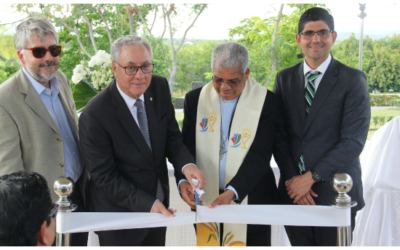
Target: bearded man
{"x":38,"y":121}
{"x":229,"y":127}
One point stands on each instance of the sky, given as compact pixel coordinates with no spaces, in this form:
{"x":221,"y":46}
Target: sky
{"x":220,"y":15}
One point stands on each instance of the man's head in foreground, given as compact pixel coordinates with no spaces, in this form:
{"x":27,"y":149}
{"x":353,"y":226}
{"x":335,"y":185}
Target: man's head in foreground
{"x":27,"y":212}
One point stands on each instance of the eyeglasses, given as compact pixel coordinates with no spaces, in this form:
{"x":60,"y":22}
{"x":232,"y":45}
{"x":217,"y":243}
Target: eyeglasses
{"x":132,"y":70}
{"x":54,"y":211}
{"x":55,"y":50}
{"x":232,"y":83}
{"x":321,"y":33}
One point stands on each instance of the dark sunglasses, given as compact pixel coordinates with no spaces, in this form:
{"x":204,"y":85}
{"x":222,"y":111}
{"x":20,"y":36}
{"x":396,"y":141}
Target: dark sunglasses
{"x":54,"y":211}
{"x":55,"y":50}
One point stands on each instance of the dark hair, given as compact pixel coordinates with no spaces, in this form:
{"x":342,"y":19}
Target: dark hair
{"x":25,"y":203}
{"x":316,"y":14}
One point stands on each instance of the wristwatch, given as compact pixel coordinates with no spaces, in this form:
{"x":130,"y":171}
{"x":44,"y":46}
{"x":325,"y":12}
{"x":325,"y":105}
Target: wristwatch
{"x":315,"y":176}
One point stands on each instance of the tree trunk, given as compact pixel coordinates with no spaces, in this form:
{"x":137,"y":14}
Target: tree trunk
{"x":274,"y":63}
{"x":130,"y":24}
{"x":175,"y":52}
{"x":173,"y":76}
{"x":90,"y":27}
{"x":106,"y":23}
{"x":77,"y":37}
{"x":80,"y":53}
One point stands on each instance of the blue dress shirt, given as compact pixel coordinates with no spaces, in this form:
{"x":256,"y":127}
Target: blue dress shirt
{"x":227,"y":110}
{"x":51,"y":99}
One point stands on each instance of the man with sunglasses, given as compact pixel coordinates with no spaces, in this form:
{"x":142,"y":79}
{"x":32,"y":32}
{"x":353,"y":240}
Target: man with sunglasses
{"x":38,"y":120}
{"x":27,"y":212}
{"x":126,"y":132}
{"x":228,"y":127}
{"x":322,"y":126}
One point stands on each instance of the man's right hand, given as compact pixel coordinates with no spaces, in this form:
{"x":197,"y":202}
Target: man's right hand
{"x":158,"y":207}
{"x":187,"y":194}
{"x":307,"y":199}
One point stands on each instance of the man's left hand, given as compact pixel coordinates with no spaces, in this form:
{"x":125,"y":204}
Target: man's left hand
{"x":223,"y":199}
{"x":299,"y":185}
{"x":191,"y":171}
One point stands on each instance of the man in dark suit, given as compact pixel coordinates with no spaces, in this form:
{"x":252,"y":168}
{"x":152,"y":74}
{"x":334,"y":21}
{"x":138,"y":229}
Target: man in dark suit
{"x":127,"y":132}
{"x":254,"y":178}
{"x":323,"y":126}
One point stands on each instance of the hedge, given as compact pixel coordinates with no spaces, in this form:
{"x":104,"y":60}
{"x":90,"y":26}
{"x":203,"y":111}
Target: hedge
{"x":384,"y":100}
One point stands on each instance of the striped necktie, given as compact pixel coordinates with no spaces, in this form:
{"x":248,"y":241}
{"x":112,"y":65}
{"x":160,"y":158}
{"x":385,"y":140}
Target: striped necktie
{"x":309,"y":97}
{"x":144,"y":128}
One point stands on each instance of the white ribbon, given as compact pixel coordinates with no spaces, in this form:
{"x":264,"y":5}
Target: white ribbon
{"x":276,"y":215}
{"x":249,"y":214}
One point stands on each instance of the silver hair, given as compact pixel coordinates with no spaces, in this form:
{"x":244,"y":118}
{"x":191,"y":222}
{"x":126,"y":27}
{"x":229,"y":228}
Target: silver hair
{"x":229,"y":55}
{"x":128,"y":40}
{"x":35,"y":26}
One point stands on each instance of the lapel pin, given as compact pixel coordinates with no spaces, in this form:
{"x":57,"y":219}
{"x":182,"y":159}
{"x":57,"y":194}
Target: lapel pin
{"x":151,"y":98}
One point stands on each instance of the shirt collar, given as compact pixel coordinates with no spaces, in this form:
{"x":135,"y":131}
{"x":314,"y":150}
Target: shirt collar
{"x":228,"y":101}
{"x":129,"y":100}
{"x":38,"y":86}
{"x":321,"y":68}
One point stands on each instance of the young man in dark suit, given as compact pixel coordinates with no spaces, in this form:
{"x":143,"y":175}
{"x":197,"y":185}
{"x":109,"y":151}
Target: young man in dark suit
{"x":126,"y":132}
{"x":323,"y":125}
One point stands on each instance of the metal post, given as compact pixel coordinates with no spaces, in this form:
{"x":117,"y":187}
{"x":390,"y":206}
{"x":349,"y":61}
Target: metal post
{"x":343,"y":183}
{"x":64,"y":187}
{"x":360,"y":52}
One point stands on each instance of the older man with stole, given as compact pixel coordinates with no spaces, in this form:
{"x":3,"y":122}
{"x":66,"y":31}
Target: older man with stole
{"x":127,"y":131}
{"x":323,"y":125}
{"x":229,"y":128}
{"x":38,"y":120}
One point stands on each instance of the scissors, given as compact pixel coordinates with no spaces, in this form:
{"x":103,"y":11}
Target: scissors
{"x":196,"y":195}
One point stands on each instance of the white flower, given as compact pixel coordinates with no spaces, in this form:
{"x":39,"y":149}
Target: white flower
{"x":76,"y":78}
{"x":98,"y":70}
{"x":100,"y":59}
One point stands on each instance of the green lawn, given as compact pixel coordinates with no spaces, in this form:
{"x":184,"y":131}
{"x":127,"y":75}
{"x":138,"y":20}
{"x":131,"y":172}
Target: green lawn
{"x":179,"y":116}
{"x":383,"y":113}
{"x":386,"y":112}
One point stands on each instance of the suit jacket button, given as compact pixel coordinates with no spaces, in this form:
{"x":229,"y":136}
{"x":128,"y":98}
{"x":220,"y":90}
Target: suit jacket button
{"x":59,"y":139}
{"x":304,"y":142}
{"x":61,"y":165}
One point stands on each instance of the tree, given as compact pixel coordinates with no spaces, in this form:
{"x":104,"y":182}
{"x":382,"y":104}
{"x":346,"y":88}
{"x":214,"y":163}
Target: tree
{"x":257,"y":35}
{"x":7,"y":52}
{"x":8,"y":55}
{"x":100,"y":24}
{"x":87,"y":28}
{"x":384,"y":73}
{"x":380,"y":60}
{"x":170,"y":13}
{"x":193,"y":62}
{"x":274,"y":62}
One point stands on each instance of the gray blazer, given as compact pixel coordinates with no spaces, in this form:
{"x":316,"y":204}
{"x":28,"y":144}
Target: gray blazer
{"x":29,"y":138}
{"x":332,"y":135}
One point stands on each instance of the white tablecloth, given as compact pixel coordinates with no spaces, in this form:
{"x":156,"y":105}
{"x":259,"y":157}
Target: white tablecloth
{"x":377,"y":224}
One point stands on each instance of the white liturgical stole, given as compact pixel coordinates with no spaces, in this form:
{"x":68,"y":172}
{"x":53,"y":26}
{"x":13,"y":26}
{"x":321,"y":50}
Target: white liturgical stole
{"x":242,"y":133}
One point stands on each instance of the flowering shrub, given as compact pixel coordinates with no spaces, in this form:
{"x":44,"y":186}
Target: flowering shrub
{"x":97,"y":71}
{"x":384,"y":100}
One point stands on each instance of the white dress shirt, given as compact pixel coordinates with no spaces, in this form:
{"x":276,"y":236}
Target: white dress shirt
{"x":130,"y":102}
{"x":321,"y":68}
